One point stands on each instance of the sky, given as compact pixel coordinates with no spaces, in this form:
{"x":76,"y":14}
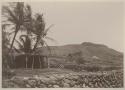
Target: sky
{"x":78,"y":22}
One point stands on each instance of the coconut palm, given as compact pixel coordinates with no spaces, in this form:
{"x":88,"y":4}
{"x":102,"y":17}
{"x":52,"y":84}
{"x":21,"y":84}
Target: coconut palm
{"x":40,"y":33}
{"x":20,"y":18}
{"x":28,"y":25}
{"x":14,"y":15}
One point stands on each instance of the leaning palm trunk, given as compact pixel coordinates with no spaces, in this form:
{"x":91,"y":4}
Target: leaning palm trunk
{"x":17,"y":29}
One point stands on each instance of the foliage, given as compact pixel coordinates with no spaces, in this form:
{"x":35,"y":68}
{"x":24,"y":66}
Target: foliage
{"x":92,"y":68}
{"x":14,"y":16}
{"x":76,"y":57}
{"x":80,"y":60}
{"x":18,"y":17}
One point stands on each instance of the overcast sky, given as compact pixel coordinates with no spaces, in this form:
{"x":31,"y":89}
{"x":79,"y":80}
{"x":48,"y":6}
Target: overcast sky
{"x":77,"y":22}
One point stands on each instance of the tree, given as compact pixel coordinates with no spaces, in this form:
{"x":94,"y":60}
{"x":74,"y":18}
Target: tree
{"x":19,"y":17}
{"x":40,"y":33}
{"x":15,"y":17}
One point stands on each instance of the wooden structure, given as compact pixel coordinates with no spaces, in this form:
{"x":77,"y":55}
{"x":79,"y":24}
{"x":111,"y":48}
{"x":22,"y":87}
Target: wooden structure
{"x":29,"y":61}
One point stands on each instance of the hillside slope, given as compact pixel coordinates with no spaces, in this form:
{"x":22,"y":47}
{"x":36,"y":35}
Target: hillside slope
{"x":94,"y":53}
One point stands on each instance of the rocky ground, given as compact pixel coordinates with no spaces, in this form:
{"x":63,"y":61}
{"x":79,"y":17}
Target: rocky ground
{"x":65,"y":79}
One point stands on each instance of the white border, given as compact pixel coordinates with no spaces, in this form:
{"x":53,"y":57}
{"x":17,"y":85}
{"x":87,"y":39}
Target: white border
{"x":58,"y":1}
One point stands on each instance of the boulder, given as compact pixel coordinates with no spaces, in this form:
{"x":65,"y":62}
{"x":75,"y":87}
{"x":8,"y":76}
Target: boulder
{"x":66,"y":81}
{"x":83,"y":85}
{"x":52,"y":78}
{"x":28,"y":86}
{"x":45,"y":80}
{"x":42,"y":86}
{"x":32,"y":82}
{"x":56,"y":86}
{"x":72,"y":83}
{"x":75,"y":77}
{"x":66,"y":85}
{"x":50,"y":86}
{"x":52,"y":82}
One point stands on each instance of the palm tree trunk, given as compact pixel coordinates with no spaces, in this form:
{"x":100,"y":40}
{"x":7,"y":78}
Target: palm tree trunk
{"x":33,"y":63}
{"x":37,"y":40}
{"x":35,"y":45}
{"x":17,"y":29}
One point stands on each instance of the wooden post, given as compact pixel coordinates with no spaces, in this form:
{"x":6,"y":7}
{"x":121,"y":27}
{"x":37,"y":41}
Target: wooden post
{"x":48,"y":62}
{"x":39,"y":61}
{"x":10,"y":64}
{"x":14,"y":61}
{"x":33,"y":63}
{"x":26,"y":61}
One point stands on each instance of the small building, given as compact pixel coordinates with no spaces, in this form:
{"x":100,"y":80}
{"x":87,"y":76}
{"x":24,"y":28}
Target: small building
{"x":20,"y":60}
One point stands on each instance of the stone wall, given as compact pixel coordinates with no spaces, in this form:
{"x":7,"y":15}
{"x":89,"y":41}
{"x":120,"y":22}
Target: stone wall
{"x":90,"y":80}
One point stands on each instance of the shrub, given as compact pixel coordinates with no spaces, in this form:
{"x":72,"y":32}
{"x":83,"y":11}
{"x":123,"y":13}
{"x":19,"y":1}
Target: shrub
{"x":92,"y":68}
{"x":7,"y":73}
{"x":112,"y":68}
{"x":80,"y":60}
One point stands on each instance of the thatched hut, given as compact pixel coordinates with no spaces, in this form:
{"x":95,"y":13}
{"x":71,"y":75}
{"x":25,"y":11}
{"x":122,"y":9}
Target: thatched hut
{"x":21,"y":60}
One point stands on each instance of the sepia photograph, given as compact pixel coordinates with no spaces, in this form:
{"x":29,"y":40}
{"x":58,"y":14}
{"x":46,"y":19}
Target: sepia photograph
{"x":62,"y":44}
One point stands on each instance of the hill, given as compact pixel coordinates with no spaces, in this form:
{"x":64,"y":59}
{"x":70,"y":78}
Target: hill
{"x":97,"y":54}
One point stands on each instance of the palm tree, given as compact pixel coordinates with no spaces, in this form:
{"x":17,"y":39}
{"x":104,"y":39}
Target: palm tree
{"x":28,"y":25}
{"x":20,"y":18}
{"x":15,"y":17}
{"x":40,"y":33}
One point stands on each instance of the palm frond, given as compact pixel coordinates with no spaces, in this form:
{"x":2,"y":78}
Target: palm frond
{"x":51,"y":39}
{"x":19,"y":44}
{"x":4,"y":26}
{"x":45,"y":32}
{"x":11,"y":32}
{"x":28,"y":11}
{"x":11,"y":16}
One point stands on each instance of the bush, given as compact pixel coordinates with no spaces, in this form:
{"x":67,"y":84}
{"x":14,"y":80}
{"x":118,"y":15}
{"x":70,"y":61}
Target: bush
{"x":80,"y":60}
{"x":7,"y":73}
{"x":111,"y":68}
{"x":92,"y":68}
